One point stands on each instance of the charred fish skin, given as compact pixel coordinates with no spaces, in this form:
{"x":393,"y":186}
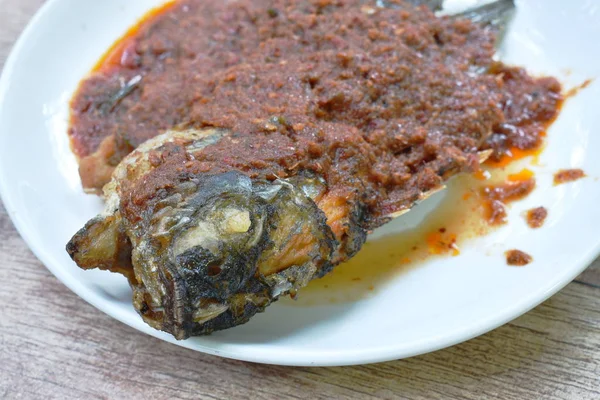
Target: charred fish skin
{"x":223,"y":257}
{"x":214,"y":250}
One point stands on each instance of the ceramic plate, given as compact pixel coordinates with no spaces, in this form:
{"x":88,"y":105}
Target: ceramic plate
{"x":438,"y":303}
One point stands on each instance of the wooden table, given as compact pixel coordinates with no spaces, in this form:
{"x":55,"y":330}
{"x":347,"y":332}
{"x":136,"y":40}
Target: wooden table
{"x":55,"y":345}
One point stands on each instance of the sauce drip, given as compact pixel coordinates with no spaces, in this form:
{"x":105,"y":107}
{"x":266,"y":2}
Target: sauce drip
{"x":568,"y":175}
{"x":575,"y":90}
{"x":514,"y":154}
{"x":518,"y":258}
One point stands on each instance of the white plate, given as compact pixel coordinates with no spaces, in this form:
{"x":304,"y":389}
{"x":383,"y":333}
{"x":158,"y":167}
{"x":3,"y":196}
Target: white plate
{"x":443,"y":302}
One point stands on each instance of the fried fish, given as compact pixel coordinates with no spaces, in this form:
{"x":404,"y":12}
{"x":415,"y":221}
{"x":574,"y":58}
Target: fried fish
{"x":285,"y":166}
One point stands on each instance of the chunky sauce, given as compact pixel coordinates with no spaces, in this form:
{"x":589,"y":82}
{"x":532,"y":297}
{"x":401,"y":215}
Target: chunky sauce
{"x":518,"y":258}
{"x":568,"y":175}
{"x":536,"y":217}
{"x":527,"y":116}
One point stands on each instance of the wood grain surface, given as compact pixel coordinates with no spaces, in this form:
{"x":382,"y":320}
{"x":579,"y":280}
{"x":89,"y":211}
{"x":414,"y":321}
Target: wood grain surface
{"x":53,"y":345}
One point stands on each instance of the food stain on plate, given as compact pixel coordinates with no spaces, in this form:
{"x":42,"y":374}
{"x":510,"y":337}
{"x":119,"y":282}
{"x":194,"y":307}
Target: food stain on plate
{"x":464,"y":213}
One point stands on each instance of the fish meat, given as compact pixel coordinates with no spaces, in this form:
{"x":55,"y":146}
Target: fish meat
{"x":280,"y":174}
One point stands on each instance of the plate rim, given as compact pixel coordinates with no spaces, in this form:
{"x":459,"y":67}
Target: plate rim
{"x":356,"y":357}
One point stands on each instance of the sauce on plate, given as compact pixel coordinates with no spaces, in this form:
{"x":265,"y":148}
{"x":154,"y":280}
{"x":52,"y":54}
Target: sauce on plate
{"x":568,"y":175}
